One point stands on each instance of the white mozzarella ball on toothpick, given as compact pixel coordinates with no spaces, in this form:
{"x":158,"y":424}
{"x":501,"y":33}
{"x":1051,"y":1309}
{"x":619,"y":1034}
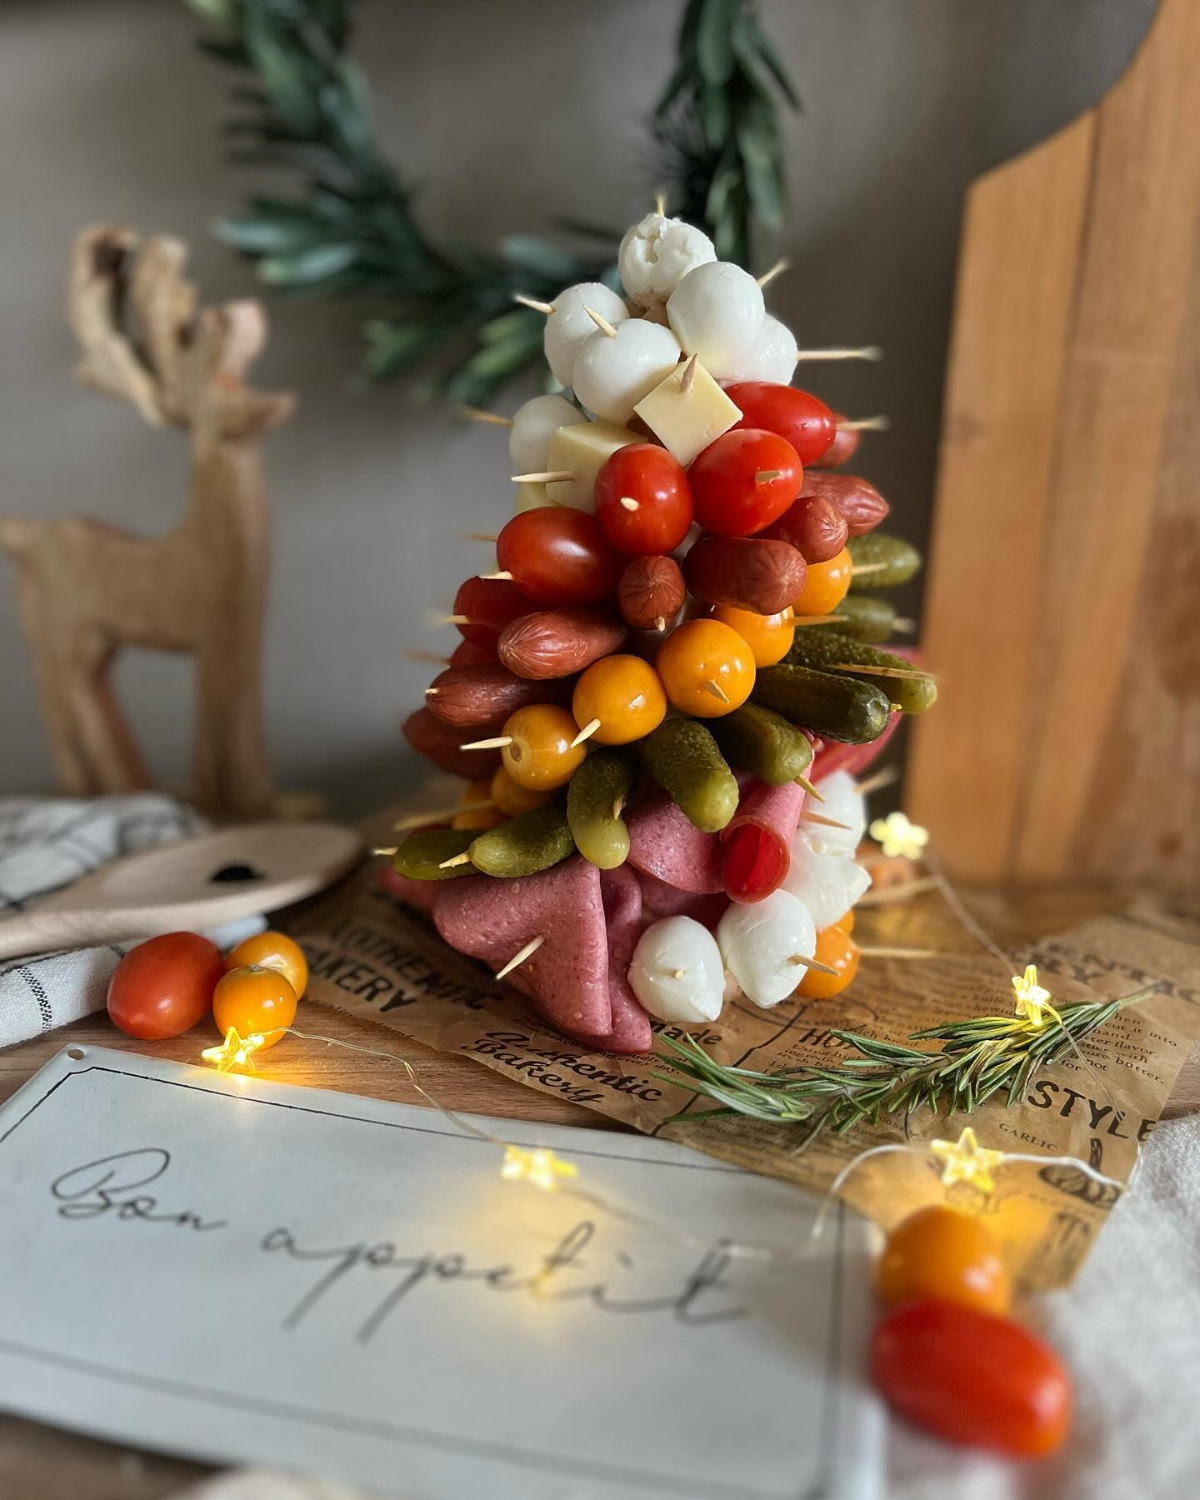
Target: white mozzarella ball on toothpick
{"x":717,"y":312}
{"x":828,"y":884}
{"x":569,"y":326}
{"x":844,"y":803}
{"x":655,"y":256}
{"x":774,"y":356}
{"x":676,"y":971}
{"x":761,"y":943}
{"x":614,"y":371}
{"x":533,"y":426}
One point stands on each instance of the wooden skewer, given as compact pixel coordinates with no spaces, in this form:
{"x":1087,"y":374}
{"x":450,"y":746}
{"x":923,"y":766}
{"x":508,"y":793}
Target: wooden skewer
{"x":781,"y":265}
{"x":497,"y":743}
{"x":689,"y":374}
{"x":543,"y":476}
{"x":503,"y":574}
{"x":602,"y":324}
{"x":865,"y":424}
{"x":868,"y":351}
{"x":716,"y":690}
{"x":519,"y":957}
{"x":876,"y":783}
{"x":764,"y":475}
{"x":542,"y":307}
{"x":480,"y":536}
{"x":586,"y":732}
{"x":458,"y":859}
{"x":901,"y":953}
{"x":803,"y":781}
{"x":629,"y":503}
{"x":812,"y":817}
{"x":905,"y":672}
{"x":812,"y":963}
{"x":892,"y":893}
{"x":477,"y":414}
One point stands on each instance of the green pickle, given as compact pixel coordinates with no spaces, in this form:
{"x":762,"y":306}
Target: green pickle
{"x":597,"y":792}
{"x":863,"y":618}
{"x":835,"y":707}
{"x":525,"y":844}
{"x":823,"y":649}
{"x":763,"y":742}
{"x":683,"y":758}
{"x":421,"y":855}
{"x":882,"y":562}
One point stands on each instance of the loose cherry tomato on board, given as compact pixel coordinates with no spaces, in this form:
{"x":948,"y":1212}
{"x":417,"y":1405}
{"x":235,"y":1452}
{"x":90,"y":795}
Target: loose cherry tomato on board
{"x":808,"y":424}
{"x":825,"y":585}
{"x":541,"y":756}
{"x":559,"y":555}
{"x":625,"y":694}
{"x":272,"y":950}
{"x":743,"y":481}
{"x":706,"y":668}
{"x":164,"y":986}
{"x":939,"y":1252}
{"x":254,"y":1000}
{"x":489,"y":604}
{"x":837,"y":949}
{"x":972,"y":1378}
{"x":768,"y":636}
{"x":643,"y":501}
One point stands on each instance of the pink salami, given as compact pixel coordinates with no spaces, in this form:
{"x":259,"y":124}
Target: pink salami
{"x":664,"y":844}
{"x":662,"y":900}
{"x":622,"y":897}
{"x":418,"y":893}
{"x":567,"y":977}
{"x":758,"y":841}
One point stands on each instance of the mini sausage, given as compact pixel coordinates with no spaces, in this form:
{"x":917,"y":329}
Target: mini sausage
{"x":651,"y":592}
{"x":559,"y":642}
{"x":747,"y":572}
{"x":813,"y":526}
{"x":440,"y":743}
{"x":844,"y":447}
{"x":859,"y":502}
{"x":482,"y":697}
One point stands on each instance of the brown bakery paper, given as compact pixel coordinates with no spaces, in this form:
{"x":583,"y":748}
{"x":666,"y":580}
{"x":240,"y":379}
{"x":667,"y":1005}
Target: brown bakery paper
{"x":370,"y":956}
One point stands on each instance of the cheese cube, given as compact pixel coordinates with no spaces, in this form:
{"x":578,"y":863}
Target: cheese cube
{"x":581,"y":451}
{"x":685,"y":421}
{"x":531,"y":497}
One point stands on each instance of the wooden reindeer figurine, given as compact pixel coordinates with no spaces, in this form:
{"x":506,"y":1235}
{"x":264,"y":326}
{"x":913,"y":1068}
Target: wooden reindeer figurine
{"x":86,"y":589}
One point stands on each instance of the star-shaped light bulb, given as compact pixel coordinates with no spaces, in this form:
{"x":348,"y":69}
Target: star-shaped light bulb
{"x":965,"y":1160}
{"x":540,"y":1167}
{"x":899,"y":837}
{"x":235,"y":1052}
{"x":1033,"y":1002}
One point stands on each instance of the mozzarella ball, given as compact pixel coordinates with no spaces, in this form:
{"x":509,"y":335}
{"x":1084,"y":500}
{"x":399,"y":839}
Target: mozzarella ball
{"x":611,"y":375}
{"x":569,"y":325}
{"x":844,"y":803}
{"x":827,"y":884}
{"x":533,"y":426}
{"x":760,"y":942}
{"x":676,"y":971}
{"x":657,"y":254}
{"x":717,"y":312}
{"x":774,"y":356}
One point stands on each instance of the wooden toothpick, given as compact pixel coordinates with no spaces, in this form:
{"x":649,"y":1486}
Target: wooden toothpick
{"x":542,"y":307}
{"x":868,"y":351}
{"x":660,"y":204}
{"x":431,"y":658}
{"x":687,"y":379}
{"x":543,"y":476}
{"x":388,"y":852}
{"x":458,"y":859}
{"x":781,"y":265}
{"x":876,"y":783}
{"x":629,"y":503}
{"x":812,"y":963}
{"x":435,"y":619}
{"x":717,"y":691}
{"x":803,"y":781}
{"x":905,"y":672}
{"x":496,"y":743}
{"x":904,"y":626}
{"x":438,"y":815}
{"x":586,"y":732}
{"x":901,"y":953}
{"x":812,"y":817}
{"x":480,"y":536}
{"x":477,"y":414}
{"x":503,"y":575}
{"x":892,"y":893}
{"x":660,"y":623}
{"x":519,"y":957}
{"x":602,"y":324}
{"x":815,"y":619}
{"x":865,"y":424}
{"x":861,"y":569}
{"x":765,"y":475}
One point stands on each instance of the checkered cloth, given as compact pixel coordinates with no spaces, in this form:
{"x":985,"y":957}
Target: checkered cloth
{"x":46,"y":844}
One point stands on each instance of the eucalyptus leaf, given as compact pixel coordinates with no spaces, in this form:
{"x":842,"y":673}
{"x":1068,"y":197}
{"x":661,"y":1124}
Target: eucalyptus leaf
{"x":714,"y":41}
{"x":307,"y":266}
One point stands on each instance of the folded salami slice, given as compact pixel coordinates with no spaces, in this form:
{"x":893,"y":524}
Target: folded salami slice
{"x":622,"y":896}
{"x":418,"y":893}
{"x":851,"y":758}
{"x":664,"y":844}
{"x":758,"y":840}
{"x":662,"y":900}
{"x":567,"y":977}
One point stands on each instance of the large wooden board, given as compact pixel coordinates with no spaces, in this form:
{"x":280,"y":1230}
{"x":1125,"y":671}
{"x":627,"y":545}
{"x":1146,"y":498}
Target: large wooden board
{"x":1062,"y":607}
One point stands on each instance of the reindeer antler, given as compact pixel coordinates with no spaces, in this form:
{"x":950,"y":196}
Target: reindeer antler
{"x":95,"y":293}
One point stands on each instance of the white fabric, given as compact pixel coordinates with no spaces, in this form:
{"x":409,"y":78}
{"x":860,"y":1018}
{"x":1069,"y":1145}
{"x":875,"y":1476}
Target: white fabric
{"x":46,"y":844}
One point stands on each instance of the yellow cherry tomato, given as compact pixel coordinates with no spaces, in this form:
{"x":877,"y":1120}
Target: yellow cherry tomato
{"x":845,"y":924}
{"x":837,"y":949}
{"x":477,"y":817}
{"x":254,"y":999}
{"x":513,"y":799}
{"x":939,"y":1252}
{"x":540,"y":755}
{"x":706,"y":668}
{"x":272,"y":950}
{"x":624,"y":693}
{"x":825,"y":584}
{"x":768,"y":636}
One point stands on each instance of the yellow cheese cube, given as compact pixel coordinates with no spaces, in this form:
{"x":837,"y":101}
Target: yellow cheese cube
{"x":686,"y":419}
{"x":531,"y":497}
{"x":581,"y":451}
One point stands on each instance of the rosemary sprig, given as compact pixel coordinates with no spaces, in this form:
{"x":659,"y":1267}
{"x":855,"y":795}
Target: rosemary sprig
{"x":978,"y":1058}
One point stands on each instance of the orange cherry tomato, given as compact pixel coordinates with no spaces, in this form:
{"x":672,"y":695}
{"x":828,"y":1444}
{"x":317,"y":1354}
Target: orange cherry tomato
{"x":624,"y":693}
{"x":477,"y":817}
{"x":768,"y":636}
{"x":253,"y":1000}
{"x":840,"y":952}
{"x":845,"y":923}
{"x":513,"y":799}
{"x":939,"y":1252}
{"x":272,"y":950}
{"x":972,"y":1378}
{"x":541,"y":756}
{"x":825,"y":585}
{"x":707,"y":669}
{"x":164,"y":986}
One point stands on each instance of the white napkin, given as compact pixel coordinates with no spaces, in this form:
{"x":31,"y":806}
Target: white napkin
{"x":46,"y":844}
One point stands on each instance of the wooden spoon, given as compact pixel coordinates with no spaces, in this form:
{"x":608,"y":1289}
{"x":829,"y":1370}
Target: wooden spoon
{"x":187,"y":886}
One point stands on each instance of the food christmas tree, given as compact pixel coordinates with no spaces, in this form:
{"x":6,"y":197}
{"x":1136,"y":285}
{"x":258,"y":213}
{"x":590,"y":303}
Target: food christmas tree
{"x":667,"y":687}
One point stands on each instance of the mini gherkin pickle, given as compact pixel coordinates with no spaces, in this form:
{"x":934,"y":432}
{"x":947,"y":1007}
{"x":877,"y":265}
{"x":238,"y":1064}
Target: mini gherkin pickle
{"x":526,"y":844}
{"x":422,"y":855}
{"x":683,"y":758}
{"x":863,"y":618}
{"x":828,"y":650}
{"x":835,"y":707}
{"x":763,"y":742}
{"x":596,"y":796}
{"x":881,"y":562}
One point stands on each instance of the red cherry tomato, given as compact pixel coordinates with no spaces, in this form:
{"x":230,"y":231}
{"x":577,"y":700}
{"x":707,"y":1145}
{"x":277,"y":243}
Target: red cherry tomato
{"x":474,"y":653}
{"x":558,"y":555}
{"x":971,"y":1377}
{"x":808,"y":424}
{"x":744,"y":481}
{"x":489,"y":604}
{"x":164,"y":986}
{"x":643,"y":502}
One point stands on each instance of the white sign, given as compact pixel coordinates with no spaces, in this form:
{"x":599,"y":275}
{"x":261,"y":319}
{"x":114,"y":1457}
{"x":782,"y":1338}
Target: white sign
{"x":245,"y":1272}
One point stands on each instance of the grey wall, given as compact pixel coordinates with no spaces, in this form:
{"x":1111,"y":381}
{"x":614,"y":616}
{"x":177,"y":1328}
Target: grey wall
{"x":511,"y":113}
